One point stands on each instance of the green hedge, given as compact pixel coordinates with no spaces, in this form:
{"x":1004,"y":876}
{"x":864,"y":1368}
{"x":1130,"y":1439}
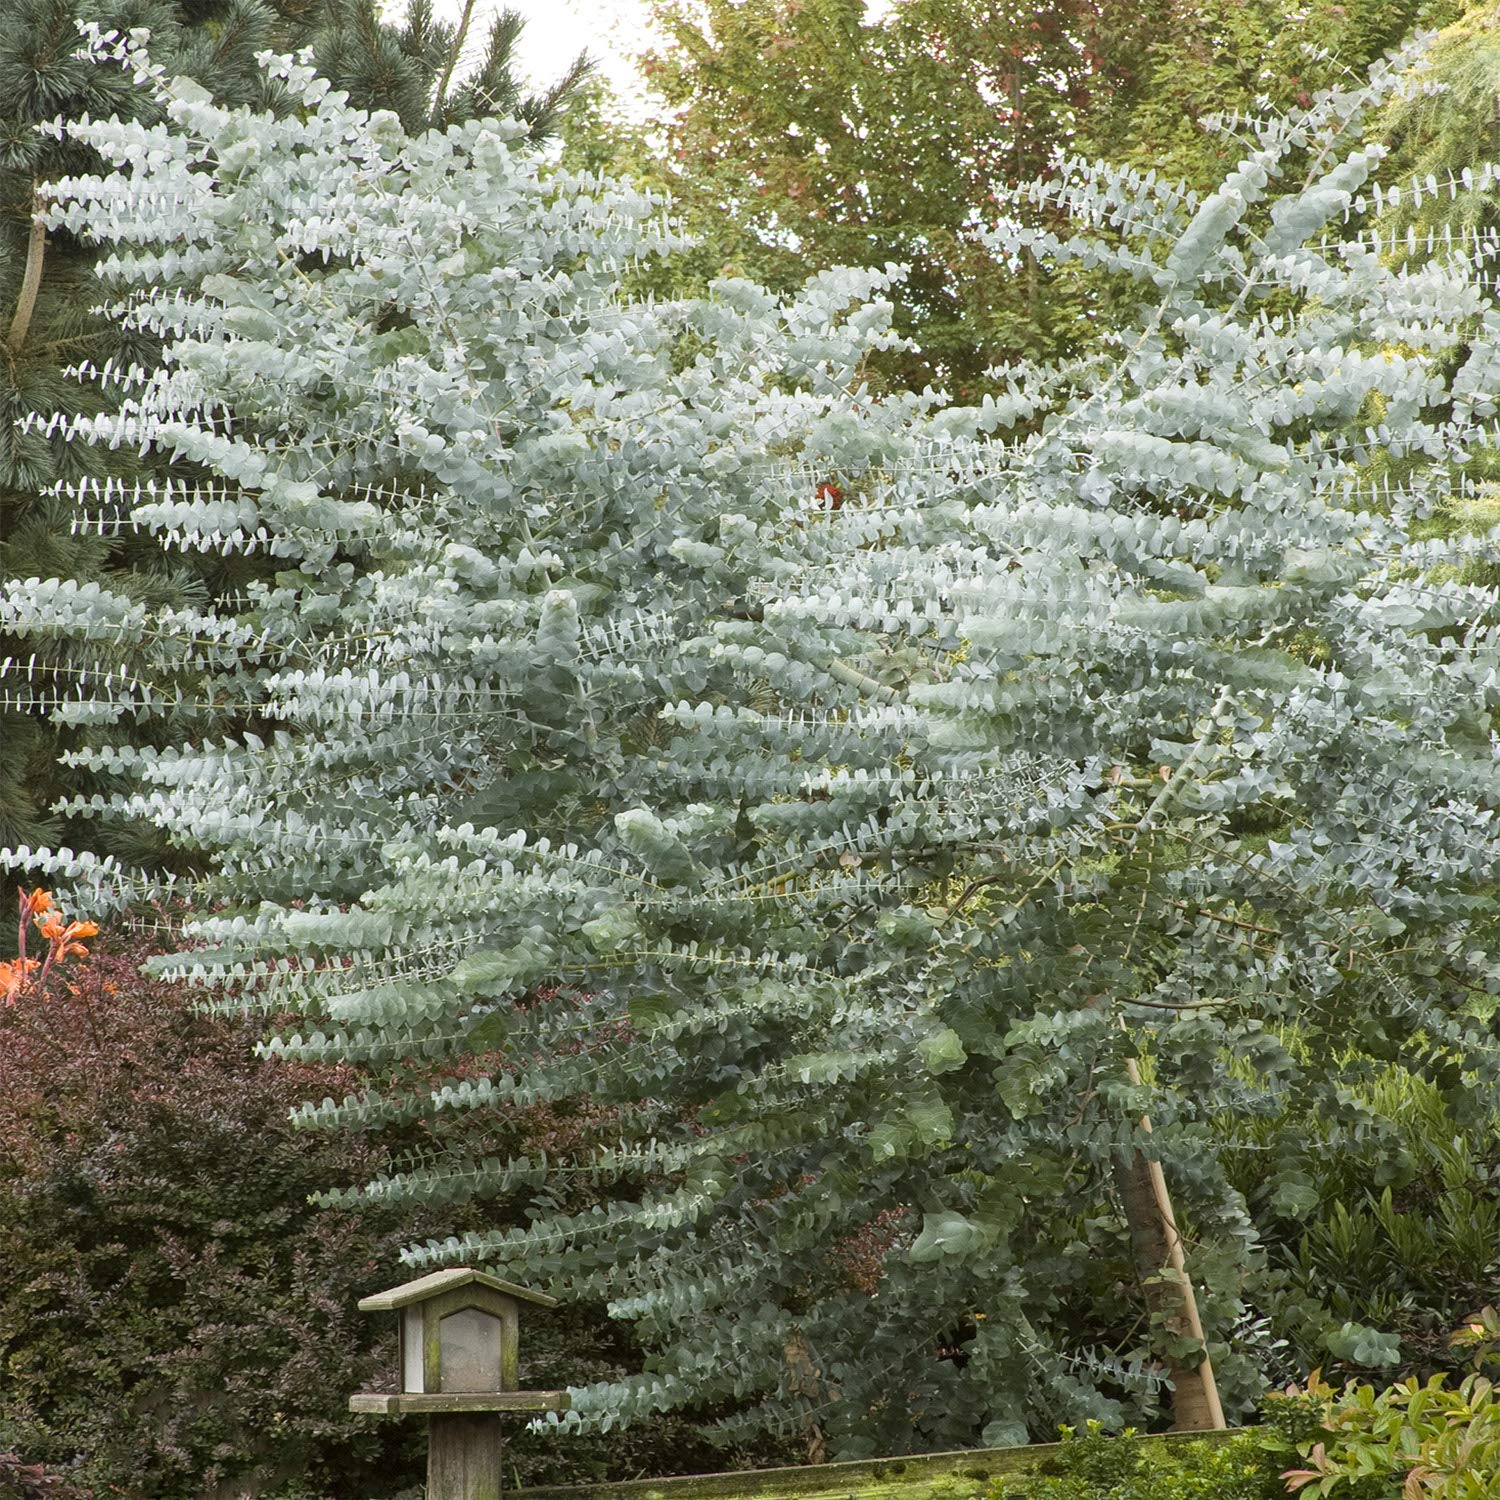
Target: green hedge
{"x":177,"y":1320}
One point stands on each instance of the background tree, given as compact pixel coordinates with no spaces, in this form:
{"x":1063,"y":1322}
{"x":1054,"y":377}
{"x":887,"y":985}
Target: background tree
{"x":1212,"y":57}
{"x":47,"y":290}
{"x":800,"y":135}
{"x":419,"y":69}
{"x":1444,"y":125}
{"x":49,"y":295}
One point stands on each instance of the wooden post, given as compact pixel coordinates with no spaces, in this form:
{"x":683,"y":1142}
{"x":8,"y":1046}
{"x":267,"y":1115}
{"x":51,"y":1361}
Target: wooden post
{"x":1162,"y":1263}
{"x":463,"y":1456}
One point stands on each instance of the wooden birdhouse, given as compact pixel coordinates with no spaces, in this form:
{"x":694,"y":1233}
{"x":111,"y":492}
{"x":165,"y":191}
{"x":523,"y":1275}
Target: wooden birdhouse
{"x":460,"y":1331}
{"x":459,"y":1346}
{"x":459,"y":1366}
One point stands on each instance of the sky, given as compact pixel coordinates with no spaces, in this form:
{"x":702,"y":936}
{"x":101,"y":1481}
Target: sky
{"x":611,"y":31}
{"x":558,"y":30}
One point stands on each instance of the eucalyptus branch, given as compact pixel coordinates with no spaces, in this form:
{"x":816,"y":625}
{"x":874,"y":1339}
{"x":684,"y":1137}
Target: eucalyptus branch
{"x":869,"y":686}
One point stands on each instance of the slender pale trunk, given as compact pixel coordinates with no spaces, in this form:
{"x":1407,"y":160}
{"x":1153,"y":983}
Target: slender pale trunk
{"x":31,"y":282}
{"x":1162,"y":1266}
{"x":804,"y":1379}
{"x":1031,"y":272}
{"x":1159,"y":1257}
{"x":460,"y":36}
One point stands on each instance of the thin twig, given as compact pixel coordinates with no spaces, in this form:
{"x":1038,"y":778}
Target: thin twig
{"x":1220,"y":916}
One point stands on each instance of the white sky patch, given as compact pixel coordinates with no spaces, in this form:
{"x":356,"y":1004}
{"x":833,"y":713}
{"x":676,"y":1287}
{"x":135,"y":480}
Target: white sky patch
{"x":612,"y":32}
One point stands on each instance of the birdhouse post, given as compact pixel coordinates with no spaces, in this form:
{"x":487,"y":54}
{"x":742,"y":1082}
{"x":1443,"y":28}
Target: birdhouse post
{"x":459,"y":1366}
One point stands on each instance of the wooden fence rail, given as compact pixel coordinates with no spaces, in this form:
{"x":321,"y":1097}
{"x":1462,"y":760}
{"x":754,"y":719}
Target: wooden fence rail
{"x":872,"y":1479}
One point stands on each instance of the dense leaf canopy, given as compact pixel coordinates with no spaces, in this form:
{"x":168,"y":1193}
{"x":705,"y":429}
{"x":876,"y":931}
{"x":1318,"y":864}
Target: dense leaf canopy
{"x":846,"y":792}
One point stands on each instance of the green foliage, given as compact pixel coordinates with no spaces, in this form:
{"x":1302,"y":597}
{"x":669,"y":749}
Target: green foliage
{"x":1092,"y":1466}
{"x":421,"y":68}
{"x":1379,"y":1229}
{"x":1242,"y":59}
{"x":1433,"y":1440}
{"x":1444,"y":122}
{"x":40,"y":79}
{"x":803,"y":135}
{"x":840,"y":792}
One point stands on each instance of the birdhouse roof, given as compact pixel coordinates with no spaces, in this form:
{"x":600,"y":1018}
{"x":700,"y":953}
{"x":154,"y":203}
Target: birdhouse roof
{"x":446,"y":1281}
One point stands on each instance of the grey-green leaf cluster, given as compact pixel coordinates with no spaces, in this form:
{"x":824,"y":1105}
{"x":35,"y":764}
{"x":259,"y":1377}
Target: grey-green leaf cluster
{"x":838,"y":791}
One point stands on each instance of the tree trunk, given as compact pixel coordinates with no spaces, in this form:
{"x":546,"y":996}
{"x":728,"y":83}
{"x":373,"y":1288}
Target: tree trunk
{"x":805,"y":1380}
{"x":1162,"y":1267}
{"x":31,"y":283}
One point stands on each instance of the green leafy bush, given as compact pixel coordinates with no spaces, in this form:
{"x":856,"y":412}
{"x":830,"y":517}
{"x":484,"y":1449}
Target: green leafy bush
{"x":1412,"y":1441}
{"x":898,"y":804}
{"x":1093,"y":1467}
{"x":20,"y":1481}
{"x":1436,"y":1442}
{"x":1381,"y":1228}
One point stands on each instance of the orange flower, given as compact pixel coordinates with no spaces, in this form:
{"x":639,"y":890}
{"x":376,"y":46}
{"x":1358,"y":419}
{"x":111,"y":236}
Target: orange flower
{"x":36,"y":903}
{"x":13,"y":977}
{"x":64,"y":939}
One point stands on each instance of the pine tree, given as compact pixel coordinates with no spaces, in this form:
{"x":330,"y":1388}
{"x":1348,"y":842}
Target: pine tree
{"x":1445,"y":126}
{"x":880,"y":809}
{"x":48,"y":294}
{"x":418,"y":69}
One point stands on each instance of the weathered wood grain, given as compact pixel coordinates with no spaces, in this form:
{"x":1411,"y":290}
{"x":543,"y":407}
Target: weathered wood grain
{"x":464,"y":1451}
{"x":383,"y":1404}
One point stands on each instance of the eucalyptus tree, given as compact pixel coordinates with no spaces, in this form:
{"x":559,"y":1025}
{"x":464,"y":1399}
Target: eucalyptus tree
{"x":876,"y":813}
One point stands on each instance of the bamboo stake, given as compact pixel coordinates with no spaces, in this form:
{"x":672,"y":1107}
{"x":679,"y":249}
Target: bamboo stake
{"x":1207,"y":1411}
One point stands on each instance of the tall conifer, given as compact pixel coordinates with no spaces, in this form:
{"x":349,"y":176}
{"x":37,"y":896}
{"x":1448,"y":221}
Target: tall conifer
{"x":423,"y":69}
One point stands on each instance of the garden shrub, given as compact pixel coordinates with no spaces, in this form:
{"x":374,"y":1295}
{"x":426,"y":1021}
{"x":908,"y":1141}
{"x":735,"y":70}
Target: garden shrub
{"x":1392,"y":1237}
{"x":714,"y":769}
{"x":1090,"y":1466}
{"x":1433,"y":1441}
{"x":1412,"y":1441}
{"x":177,"y":1318}
{"x":19,"y":1481}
